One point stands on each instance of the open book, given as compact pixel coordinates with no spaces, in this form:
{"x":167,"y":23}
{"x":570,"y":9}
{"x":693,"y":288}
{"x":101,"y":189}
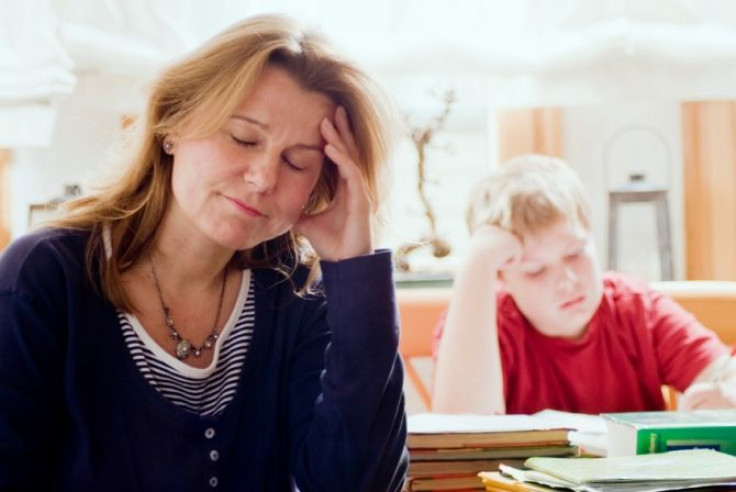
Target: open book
{"x":649,"y":472}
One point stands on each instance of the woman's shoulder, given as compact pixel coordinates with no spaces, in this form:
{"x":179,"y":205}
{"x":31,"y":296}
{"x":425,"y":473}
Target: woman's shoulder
{"x":41,"y":253}
{"x":44,"y":241}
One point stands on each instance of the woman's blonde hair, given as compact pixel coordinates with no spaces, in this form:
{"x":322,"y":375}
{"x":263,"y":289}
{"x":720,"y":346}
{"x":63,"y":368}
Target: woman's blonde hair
{"x":527,"y":194}
{"x":210,"y":83}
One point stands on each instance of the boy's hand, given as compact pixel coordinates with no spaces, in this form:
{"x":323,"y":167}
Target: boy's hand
{"x":468,"y":374}
{"x":708,"y":394}
{"x":498,"y":247}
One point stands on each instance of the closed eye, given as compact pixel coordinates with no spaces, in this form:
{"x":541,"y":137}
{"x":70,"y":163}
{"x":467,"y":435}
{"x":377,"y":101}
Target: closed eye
{"x":574,"y":255}
{"x":243,"y":143}
{"x":292,"y":166}
{"x":536,"y":272}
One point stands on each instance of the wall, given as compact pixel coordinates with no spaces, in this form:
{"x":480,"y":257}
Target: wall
{"x":461,"y":152}
{"x":607,"y":143}
{"x":82,"y":147}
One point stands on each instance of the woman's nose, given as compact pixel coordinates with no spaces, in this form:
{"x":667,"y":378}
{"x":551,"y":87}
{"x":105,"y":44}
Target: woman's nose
{"x":262,"y":172}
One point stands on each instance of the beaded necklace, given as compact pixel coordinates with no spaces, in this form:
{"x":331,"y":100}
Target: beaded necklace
{"x":184,"y":346}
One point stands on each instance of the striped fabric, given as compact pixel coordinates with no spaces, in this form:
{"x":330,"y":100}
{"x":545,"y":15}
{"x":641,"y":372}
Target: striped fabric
{"x":205,"y":391}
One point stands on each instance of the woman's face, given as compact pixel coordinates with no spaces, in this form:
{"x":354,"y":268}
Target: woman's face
{"x":248,"y":182}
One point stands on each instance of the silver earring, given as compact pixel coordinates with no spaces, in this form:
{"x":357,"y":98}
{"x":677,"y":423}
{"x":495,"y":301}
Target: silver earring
{"x":168,"y":146}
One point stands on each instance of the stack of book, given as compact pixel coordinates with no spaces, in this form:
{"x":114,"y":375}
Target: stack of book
{"x":629,"y":433}
{"x":448,"y":451}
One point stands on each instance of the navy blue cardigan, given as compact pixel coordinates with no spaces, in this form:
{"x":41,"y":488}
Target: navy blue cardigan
{"x":319,"y":401}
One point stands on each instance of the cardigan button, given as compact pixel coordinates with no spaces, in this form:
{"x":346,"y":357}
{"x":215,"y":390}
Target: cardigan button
{"x":209,"y":433}
{"x":213,"y":482}
{"x":214,"y":455}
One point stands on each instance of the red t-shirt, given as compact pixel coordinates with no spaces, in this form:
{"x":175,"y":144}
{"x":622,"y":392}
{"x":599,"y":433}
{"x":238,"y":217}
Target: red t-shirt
{"x":637,"y":340}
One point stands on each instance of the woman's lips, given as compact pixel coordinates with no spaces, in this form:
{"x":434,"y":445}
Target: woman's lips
{"x":254,"y":212}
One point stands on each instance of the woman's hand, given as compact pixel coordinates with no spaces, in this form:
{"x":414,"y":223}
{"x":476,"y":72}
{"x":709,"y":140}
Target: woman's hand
{"x":343,"y":229}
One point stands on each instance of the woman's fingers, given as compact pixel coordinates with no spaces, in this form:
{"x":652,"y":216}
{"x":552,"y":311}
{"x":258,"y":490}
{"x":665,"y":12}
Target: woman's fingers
{"x":337,"y":149}
{"x":346,"y":132}
{"x":340,"y":135}
{"x":345,"y":164}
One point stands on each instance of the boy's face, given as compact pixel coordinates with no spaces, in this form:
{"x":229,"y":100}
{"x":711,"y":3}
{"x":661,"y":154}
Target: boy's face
{"x":558,"y":284}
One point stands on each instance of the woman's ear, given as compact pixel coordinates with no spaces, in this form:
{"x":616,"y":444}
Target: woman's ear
{"x":168,"y":145}
{"x":169,"y":141}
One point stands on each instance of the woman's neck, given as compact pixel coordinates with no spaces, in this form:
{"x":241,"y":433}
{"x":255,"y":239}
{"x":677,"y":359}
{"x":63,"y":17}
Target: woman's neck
{"x":187,"y":256}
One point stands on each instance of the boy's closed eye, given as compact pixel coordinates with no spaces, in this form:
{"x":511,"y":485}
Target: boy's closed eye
{"x":533,"y":270}
{"x":574,"y":255}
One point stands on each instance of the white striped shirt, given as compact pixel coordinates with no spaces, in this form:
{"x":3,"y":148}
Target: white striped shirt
{"x":204,"y":391}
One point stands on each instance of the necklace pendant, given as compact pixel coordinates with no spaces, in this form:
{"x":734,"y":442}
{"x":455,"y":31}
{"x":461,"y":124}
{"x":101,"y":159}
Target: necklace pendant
{"x":183,"y":348}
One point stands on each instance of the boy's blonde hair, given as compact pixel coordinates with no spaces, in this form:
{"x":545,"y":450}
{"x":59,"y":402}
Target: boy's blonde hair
{"x":527,"y":194}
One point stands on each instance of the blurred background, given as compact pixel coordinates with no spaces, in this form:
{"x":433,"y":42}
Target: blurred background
{"x":639,"y":97}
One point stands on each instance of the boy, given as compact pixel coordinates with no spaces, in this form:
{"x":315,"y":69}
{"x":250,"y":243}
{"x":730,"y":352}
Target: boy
{"x":562,"y":334}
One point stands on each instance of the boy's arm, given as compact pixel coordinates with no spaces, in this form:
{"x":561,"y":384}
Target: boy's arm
{"x":468,"y":375}
{"x":690,"y":356}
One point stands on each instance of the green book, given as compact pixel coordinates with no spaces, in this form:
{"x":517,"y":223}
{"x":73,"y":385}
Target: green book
{"x":657,"y":432}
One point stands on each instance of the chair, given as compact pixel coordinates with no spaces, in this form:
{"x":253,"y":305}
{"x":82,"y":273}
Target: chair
{"x":419,"y":311}
{"x":712,"y":302}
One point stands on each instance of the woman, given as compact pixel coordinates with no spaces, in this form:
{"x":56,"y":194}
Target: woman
{"x":169,"y":333}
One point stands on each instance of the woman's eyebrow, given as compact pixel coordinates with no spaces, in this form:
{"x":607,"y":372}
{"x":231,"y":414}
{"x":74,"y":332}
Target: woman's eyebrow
{"x":316,"y":148}
{"x":253,"y":121}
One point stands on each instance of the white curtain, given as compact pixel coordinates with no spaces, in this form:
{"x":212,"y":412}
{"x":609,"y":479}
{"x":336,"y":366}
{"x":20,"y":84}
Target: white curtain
{"x":35,"y":71}
{"x":120,"y":36}
{"x":498,"y":53}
